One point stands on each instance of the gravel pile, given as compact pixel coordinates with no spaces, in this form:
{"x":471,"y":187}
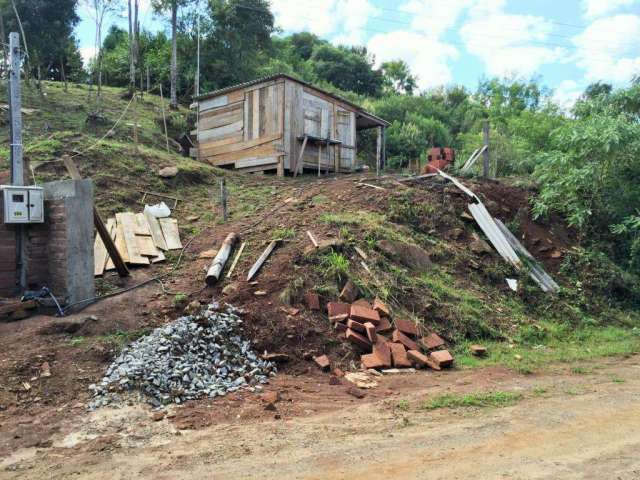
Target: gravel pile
{"x":192,"y":357}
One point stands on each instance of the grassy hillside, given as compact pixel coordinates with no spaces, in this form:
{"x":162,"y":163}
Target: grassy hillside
{"x":463,"y":295}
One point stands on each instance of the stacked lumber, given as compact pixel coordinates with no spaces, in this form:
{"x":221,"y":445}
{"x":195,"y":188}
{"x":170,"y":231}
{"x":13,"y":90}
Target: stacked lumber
{"x":141,"y":239}
{"x":385,"y":342}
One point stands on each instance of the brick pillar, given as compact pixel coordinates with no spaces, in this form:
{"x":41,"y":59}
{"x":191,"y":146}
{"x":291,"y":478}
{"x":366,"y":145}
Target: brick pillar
{"x":69,"y":208}
{"x":8,"y":263}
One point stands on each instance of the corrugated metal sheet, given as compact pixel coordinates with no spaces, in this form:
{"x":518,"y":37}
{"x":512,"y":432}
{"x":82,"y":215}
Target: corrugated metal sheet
{"x":506,"y":244}
{"x":493,"y":233}
{"x":536,"y":272}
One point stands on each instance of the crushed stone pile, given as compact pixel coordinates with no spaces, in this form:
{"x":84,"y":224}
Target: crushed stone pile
{"x":192,"y":357}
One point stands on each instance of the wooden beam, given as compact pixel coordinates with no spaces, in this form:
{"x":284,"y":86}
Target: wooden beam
{"x":313,"y":239}
{"x":256,"y":266}
{"x":121,"y":267}
{"x":235,"y":260}
{"x":299,"y":160}
{"x":215,"y":270}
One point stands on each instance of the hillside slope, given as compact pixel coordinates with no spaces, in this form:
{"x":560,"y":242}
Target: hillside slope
{"x":459,"y":291}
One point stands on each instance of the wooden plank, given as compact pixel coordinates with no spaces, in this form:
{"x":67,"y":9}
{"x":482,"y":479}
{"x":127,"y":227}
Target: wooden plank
{"x":119,"y":263}
{"x":171,"y":233}
{"x":232,"y":138}
{"x":260,"y":150}
{"x":256,"y":266}
{"x":235,"y":260}
{"x":214,"y":102}
{"x":218,"y":111}
{"x":264,"y":113}
{"x":146,"y":246}
{"x":100,"y":254}
{"x":156,"y":231}
{"x":221,"y":120}
{"x":255,"y":117}
{"x":236,"y":147}
{"x":129,"y":228}
{"x":120,"y":243}
{"x":313,"y":239}
{"x":109,"y":265}
{"x":327,"y":98}
{"x":248,"y":113}
{"x":236,"y":95}
{"x":299,"y":159}
{"x":220,"y":132}
{"x":255,"y":161}
{"x":296,"y":121}
{"x":259,"y":168}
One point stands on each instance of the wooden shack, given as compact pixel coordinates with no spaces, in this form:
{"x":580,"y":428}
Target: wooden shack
{"x":283,"y":124}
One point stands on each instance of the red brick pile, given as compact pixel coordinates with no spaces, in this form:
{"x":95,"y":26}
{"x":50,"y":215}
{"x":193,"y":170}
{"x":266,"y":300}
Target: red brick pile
{"x":385,"y":342}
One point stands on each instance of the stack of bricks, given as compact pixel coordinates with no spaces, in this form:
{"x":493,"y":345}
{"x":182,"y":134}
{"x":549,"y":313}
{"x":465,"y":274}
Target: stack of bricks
{"x":387,"y":343}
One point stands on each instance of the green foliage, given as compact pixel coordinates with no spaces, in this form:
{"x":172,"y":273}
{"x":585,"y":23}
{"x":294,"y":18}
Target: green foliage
{"x":335,"y":265}
{"x":478,"y":399}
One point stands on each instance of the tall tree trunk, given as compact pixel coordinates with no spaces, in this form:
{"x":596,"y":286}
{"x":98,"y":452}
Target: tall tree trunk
{"x":5,"y":52}
{"x":62,"y":75}
{"x":132,"y":68}
{"x":174,"y":55}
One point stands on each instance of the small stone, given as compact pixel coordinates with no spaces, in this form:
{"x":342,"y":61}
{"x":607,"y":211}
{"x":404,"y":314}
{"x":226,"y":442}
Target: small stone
{"x":349,"y":293}
{"x":159,"y":415}
{"x":260,"y":293}
{"x":356,"y":392}
{"x":208,"y":254}
{"x":323,"y":362}
{"x":478,"y":350}
{"x":168,"y":172}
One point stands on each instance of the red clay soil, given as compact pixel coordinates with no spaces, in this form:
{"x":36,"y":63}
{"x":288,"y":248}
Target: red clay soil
{"x":33,"y":407}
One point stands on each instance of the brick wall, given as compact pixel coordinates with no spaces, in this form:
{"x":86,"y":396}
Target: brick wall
{"x":59,"y":251}
{"x":8,"y":267}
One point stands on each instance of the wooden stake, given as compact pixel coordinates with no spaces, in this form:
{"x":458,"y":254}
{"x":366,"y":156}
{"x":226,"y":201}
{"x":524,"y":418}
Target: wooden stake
{"x":223,"y":199}
{"x":319,"y":157}
{"x":312,"y":238}
{"x":235,"y":260}
{"x":262,"y":259}
{"x":114,"y":254}
{"x":299,"y":162}
{"x":164,"y":118}
{"x":215,"y":270}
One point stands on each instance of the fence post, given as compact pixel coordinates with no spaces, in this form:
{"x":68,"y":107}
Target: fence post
{"x":485,"y":154}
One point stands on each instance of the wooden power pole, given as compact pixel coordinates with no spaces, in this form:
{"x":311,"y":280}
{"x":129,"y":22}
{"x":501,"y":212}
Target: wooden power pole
{"x":485,"y":154}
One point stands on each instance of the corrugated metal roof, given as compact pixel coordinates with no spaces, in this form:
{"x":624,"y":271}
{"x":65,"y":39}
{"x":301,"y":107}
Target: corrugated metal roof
{"x":270,"y":78}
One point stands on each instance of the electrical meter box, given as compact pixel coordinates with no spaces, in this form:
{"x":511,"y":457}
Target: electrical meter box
{"x":23,"y":204}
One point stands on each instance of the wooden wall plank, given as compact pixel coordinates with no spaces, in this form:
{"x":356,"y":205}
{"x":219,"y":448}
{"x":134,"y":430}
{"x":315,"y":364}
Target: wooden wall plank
{"x":100,"y":254}
{"x":218,"y":111}
{"x":256,"y":161}
{"x":214,"y":102}
{"x":218,"y":133}
{"x":235,"y":147}
{"x":225,"y":158}
{"x":226,"y":118}
{"x":255,"y":117}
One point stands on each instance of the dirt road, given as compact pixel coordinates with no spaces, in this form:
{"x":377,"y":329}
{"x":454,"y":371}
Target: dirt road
{"x":570,"y":424}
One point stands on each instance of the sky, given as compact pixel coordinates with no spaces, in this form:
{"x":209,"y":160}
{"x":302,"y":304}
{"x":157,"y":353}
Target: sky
{"x":567,"y":44}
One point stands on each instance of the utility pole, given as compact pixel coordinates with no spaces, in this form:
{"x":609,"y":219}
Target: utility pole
{"x":197,"y":89}
{"x":17,"y":164}
{"x":485,"y":154}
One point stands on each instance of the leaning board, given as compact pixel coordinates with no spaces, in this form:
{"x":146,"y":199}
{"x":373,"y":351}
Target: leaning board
{"x":171,"y":233}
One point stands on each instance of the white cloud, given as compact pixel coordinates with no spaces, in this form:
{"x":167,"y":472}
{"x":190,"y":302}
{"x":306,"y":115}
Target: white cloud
{"x":434,"y":17}
{"x":507,"y":43}
{"x":343,"y":21}
{"x":597,"y":8}
{"x":87,"y":54}
{"x":607,"y":49}
{"x":566,"y":94}
{"x":427,"y":56}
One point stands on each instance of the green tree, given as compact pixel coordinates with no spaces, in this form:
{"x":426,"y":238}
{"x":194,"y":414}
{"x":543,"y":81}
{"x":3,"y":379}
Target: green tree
{"x":397,"y":77}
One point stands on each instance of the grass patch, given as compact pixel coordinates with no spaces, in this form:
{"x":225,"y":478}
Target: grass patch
{"x":555,"y":342}
{"x":477,"y":399}
{"x":283,"y":233}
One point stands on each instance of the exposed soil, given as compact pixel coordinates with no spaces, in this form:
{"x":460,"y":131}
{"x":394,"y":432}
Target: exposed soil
{"x":565,"y":426}
{"x":33,"y":408}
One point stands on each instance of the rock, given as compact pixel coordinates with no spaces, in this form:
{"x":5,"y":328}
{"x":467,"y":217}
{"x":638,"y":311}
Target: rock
{"x":410,"y":255}
{"x":356,"y":392}
{"x":323,"y":362}
{"x":349,"y":293}
{"x":479,"y":246}
{"x":338,"y":372}
{"x":431,"y":341}
{"x":159,"y":415}
{"x":270,"y":397}
{"x":442,"y":358}
{"x":276,"y":357}
{"x":230,"y":289}
{"x":260,"y":293}
{"x":193,"y":307}
{"x":312,"y":301}
{"x":478,"y":350}
{"x":45,"y":370}
{"x":381,"y":308}
{"x":361,"y":380}
{"x":208,"y":254}
{"x":333,"y":380}
{"x":168,"y":172}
